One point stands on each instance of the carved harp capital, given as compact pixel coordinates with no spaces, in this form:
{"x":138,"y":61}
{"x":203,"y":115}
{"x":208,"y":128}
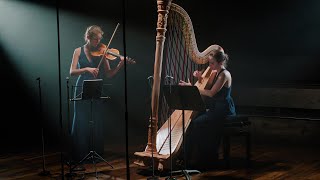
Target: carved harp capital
{"x":163,"y":10}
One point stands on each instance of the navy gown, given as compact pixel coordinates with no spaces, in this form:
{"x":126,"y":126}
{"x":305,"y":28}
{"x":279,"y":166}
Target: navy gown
{"x":87,"y":136}
{"x":205,"y":131}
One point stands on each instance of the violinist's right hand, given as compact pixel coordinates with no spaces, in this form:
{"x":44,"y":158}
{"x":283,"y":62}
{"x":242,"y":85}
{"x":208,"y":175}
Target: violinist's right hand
{"x":93,"y":71}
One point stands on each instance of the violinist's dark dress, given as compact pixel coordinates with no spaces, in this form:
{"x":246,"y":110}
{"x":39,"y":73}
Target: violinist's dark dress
{"x":82,"y":139}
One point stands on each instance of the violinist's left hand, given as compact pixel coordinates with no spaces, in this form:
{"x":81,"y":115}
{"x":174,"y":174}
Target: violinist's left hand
{"x":128,"y":60}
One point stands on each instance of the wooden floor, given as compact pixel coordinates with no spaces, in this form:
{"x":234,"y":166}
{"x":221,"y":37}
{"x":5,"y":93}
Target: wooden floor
{"x":269,"y":161}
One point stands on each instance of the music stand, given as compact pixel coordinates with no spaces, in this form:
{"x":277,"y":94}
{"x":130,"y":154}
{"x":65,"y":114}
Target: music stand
{"x":184,"y":98}
{"x":92,"y":89}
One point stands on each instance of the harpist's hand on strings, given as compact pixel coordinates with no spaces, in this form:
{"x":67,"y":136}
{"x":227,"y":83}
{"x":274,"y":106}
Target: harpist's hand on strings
{"x":198,"y":75}
{"x":183,"y":83}
{"x":93,"y":71}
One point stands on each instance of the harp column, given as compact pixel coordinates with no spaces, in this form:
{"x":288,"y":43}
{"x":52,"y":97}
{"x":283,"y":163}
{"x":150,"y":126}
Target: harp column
{"x":163,"y":10}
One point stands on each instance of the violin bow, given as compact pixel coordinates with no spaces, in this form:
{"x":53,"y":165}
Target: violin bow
{"x":108,"y":45}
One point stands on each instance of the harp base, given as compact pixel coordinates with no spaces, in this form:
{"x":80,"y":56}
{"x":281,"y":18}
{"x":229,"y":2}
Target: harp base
{"x":147,"y":159}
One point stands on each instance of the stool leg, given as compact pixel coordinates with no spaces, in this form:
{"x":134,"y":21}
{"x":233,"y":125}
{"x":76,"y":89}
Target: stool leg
{"x":226,"y":150}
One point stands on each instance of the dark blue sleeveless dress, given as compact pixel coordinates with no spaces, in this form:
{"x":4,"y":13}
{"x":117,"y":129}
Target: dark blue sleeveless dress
{"x":82,"y":139}
{"x":205,"y":131}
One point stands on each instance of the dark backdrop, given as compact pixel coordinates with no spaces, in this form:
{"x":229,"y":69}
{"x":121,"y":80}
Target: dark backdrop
{"x":269,"y":42}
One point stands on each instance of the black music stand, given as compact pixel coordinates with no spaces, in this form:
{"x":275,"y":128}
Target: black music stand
{"x":184,"y":98}
{"x":92,"y":90}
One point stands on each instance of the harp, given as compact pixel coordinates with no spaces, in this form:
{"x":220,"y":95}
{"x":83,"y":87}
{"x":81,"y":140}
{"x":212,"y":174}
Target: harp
{"x":180,"y":57}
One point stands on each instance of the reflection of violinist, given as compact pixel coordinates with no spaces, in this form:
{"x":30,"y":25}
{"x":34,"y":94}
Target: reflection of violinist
{"x":88,"y":64}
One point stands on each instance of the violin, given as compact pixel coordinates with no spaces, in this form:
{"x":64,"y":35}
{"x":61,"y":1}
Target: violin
{"x":110,"y":54}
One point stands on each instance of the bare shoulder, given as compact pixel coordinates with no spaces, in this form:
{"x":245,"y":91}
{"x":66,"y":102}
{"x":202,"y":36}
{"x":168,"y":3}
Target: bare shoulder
{"x":77,"y":50}
{"x":225,"y":75}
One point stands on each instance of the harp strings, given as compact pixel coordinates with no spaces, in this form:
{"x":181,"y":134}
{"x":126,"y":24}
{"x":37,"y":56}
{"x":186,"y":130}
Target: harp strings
{"x":178,"y":62}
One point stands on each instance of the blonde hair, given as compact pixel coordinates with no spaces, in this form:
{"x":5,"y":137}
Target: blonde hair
{"x":92,"y":31}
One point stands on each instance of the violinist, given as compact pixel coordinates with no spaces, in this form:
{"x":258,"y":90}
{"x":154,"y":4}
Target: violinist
{"x":89,"y":63}
{"x":91,"y":54}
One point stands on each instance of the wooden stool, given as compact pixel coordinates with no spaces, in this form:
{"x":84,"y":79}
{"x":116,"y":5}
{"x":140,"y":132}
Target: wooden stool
{"x":236,"y":126}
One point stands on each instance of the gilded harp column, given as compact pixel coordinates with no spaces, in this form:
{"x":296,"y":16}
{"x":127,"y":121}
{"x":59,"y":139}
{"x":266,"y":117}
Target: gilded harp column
{"x":151,"y":149}
{"x":163,"y":10}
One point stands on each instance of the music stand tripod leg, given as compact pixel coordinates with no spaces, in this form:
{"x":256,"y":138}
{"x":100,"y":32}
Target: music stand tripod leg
{"x":184,"y":98}
{"x":184,"y":171}
{"x":92,"y":90}
{"x":93,"y":155}
{"x":101,"y":158}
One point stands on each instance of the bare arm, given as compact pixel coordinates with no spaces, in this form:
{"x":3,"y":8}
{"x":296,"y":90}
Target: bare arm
{"x":222,"y":79}
{"x":111,"y":72}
